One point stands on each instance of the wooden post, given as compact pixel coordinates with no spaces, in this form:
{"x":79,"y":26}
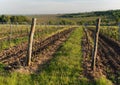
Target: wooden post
{"x":10,"y":35}
{"x":30,"y":41}
{"x":94,"y":56}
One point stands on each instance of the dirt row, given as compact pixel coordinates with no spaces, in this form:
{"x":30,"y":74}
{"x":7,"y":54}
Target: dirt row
{"x":16,"y":57}
{"x":108,"y":58}
{"x":87,"y":53}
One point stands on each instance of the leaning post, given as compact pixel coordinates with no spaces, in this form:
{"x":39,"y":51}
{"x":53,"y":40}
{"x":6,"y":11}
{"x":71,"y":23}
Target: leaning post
{"x":94,"y":56}
{"x":30,"y":41}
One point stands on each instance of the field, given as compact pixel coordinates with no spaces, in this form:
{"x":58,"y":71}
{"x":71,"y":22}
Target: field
{"x":64,"y":67}
{"x":62,"y":51}
{"x":13,"y":35}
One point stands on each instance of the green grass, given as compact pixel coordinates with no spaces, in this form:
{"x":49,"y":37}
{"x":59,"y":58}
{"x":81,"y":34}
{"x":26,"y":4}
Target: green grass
{"x":64,"y":69}
{"x":103,"y":81}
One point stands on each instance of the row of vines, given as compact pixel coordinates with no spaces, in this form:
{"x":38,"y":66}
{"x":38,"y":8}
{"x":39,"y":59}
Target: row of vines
{"x":12,"y":34}
{"x":111,"y":32}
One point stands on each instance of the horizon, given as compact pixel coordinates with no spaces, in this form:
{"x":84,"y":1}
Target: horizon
{"x":45,"y":7}
{"x":62,"y":13}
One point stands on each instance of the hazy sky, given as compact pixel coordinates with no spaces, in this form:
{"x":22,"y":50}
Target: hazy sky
{"x":55,"y":6}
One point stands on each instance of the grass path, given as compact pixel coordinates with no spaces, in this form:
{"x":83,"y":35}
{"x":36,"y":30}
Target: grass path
{"x":65,"y":68}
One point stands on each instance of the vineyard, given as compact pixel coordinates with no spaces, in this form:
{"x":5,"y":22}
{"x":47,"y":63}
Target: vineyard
{"x":59,"y":54}
{"x":107,"y":58}
{"x":12,"y":34}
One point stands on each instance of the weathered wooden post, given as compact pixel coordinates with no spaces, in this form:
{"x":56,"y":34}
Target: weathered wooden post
{"x":30,"y":41}
{"x":10,"y":35}
{"x":94,"y":56}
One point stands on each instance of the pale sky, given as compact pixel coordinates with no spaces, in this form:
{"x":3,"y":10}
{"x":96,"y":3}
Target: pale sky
{"x":55,"y":6}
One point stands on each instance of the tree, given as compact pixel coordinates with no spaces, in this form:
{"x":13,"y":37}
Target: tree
{"x":4,"y":18}
{"x":13,"y":19}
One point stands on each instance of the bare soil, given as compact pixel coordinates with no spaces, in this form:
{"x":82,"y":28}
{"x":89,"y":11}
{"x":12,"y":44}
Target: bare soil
{"x":14,"y":58}
{"x":108,"y":59}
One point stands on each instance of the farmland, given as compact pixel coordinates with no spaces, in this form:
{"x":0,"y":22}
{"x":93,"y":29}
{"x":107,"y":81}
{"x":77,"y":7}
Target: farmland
{"x":13,"y":35}
{"x":62,"y":50}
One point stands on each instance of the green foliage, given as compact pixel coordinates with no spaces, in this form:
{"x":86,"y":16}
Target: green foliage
{"x":7,"y":19}
{"x":41,"y":32}
{"x":4,"y":18}
{"x":110,"y":31}
{"x":112,"y":17}
{"x":18,"y":19}
{"x":103,"y":81}
{"x":1,"y":67}
{"x":66,"y":22}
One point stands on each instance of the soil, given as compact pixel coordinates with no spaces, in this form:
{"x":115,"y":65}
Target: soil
{"x":108,"y":59}
{"x":15,"y":58}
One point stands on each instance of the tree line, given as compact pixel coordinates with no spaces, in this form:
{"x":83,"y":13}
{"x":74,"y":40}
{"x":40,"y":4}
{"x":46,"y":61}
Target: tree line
{"x":111,"y":16}
{"x":8,"y":19}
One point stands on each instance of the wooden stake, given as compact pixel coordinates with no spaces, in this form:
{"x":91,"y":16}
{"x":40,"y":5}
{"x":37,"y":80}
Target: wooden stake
{"x":30,"y":41}
{"x":10,"y":35}
{"x":94,"y":56}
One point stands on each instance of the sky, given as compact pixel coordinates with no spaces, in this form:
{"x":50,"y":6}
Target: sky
{"x":56,"y":6}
